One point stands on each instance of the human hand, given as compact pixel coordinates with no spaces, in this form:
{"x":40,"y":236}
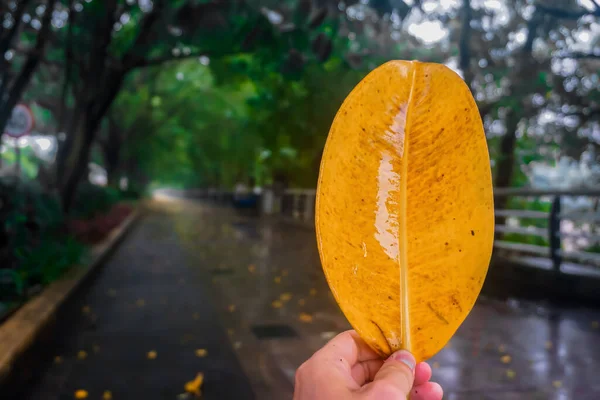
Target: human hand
{"x":347,"y":368}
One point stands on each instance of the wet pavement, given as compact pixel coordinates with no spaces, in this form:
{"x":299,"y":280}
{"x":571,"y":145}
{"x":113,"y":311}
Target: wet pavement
{"x":196,"y":276}
{"x":268,"y":274}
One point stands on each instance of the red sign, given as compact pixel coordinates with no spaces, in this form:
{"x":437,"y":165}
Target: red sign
{"x":20,"y":122}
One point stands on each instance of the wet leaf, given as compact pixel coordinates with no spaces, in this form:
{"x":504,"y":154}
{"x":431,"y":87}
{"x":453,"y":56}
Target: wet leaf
{"x":407,"y":254}
{"x":201,"y":352}
{"x":510,"y":374}
{"x":506,"y":359}
{"x":107,"y":395}
{"x":277,"y":304}
{"x":285,"y":297}
{"x":277,"y":280}
{"x":81,"y":394}
{"x":304,"y":317}
{"x":81,"y":354}
{"x":194,"y":386}
{"x":152,"y":355}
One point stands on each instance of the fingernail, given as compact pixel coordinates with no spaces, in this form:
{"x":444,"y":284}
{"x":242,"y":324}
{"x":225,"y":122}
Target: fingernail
{"x":405,"y":357}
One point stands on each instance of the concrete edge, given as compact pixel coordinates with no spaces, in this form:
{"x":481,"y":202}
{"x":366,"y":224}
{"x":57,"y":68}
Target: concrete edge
{"x":19,"y":332}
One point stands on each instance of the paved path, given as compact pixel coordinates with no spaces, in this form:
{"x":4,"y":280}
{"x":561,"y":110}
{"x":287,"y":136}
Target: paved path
{"x":146,"y":302}
{"x":211,"y":278}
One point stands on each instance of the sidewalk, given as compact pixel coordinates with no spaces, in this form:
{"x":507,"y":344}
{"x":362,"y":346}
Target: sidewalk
{"x":142,"y":329}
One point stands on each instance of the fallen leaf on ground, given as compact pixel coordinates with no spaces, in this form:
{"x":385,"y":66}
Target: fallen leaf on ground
{"x":196,"y":316}
{"x":506,"y":359}
{"x":501,"y":348}
{"x":140,"y":302}
{"x":152,"y":355}
{"x":81,"y":394}
{"x":435,"y":364}
{"x":301,"y":302}
{"x":194,"y":386}
{"x":231,"y":308}
{"x":304,"y":317}
{"x":313,"y":292}
{"x":251,"y":268}
{"x":201,"y":352}
{"x":237,"y":345}
{"x":284,"y":272}
{"x":86,"y":309}
{"x":81,"y":354}
{"x":557,"y":384}
{"x":58,"y":360}
{"x":285,"y":297}
{"x":277,"y":279}
{"x":230,"y":332}
{"x":510,"y":374}
{"x":277,"y":304}
{"x":107,"y":395}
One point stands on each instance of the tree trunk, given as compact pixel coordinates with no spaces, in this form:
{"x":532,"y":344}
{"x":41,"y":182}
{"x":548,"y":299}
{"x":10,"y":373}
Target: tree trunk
{"x":506,"y":163}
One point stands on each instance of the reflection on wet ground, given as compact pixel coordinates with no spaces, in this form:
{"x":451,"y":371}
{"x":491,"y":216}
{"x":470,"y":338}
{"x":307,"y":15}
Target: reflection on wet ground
{"x":277,"y":308}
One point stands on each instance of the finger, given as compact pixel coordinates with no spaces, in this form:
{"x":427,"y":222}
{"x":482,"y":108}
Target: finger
{"x":349,"y":347}
{"x":395,"y":378}
{"x":364,"y":372}
{"x":427,"y":391}
{"x":422,"y":373}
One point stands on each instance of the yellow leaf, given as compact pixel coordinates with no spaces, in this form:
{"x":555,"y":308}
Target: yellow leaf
{"x":107,"y":395}
{"x":81,"y":394}
{"x":304,"y":317}
{"x":277,"y":280}
{"x":313,"y":292}
{"x":557,"y":384}
{"x":404,"y":211}
{"x":140,"y":302}
{"x":285,"y":297}
{"x":231,"y":308}
{"x":277,"y":304}
{"x":194,"y":386}
{"x":301,"y":302}
{"x":152,"y":355}
{"x":81,"y":354}
{"x":510,"y":374}
{"x":201,"y":352}
{"x":251,"y":268}
{"x":505,"y":359}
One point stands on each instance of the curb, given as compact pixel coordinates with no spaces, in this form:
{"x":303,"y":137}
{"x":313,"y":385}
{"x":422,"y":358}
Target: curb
{"x":20,"y":331}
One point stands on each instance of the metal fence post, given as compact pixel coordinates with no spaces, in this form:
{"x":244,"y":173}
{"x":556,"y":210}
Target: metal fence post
{"x":554,"y":234}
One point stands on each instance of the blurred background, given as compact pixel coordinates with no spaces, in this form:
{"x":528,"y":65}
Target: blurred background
{"x":203,"y":121}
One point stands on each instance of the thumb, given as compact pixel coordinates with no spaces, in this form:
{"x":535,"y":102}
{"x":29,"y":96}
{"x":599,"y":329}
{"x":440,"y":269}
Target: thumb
{"x":395,"y":378}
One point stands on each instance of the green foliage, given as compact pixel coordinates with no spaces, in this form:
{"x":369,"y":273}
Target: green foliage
{"x":92,"y":200}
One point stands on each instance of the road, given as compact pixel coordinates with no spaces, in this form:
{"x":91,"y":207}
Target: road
{"x":251,"y":292}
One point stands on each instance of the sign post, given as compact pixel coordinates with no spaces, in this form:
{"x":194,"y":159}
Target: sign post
{"x":19,"y":124}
